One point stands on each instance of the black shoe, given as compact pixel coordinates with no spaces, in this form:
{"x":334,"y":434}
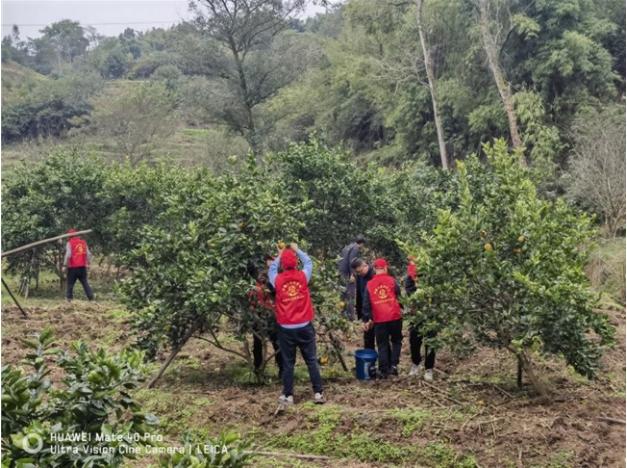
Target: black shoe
{"x":394,"y":371}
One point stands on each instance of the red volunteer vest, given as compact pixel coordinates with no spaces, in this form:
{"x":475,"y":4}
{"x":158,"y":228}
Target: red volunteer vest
{"x":383,"y":302}
{"x":292,"y":302}
{"x":78,"y":250}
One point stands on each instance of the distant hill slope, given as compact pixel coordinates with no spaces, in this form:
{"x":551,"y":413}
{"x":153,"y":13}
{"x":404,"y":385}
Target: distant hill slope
{"x":17,"y":80}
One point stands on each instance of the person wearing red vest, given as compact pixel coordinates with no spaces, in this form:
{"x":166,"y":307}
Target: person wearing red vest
{"x":77,"y":258}
{"x":294,"y":315}
{"x":383,"y":311}
{"x":262,"y":306}
{"x":416,"y":331}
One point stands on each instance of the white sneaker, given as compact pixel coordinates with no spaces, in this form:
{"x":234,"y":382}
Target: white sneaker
{"x":428,"y":375}
{"x":319,"y":398}
{"x":286,"y":400}
{"x":415,"y":369}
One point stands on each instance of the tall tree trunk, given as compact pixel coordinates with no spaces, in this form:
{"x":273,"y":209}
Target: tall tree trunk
{"x":492,"y":52}
{"x":251,"y":134}
{"x":432,"y":89}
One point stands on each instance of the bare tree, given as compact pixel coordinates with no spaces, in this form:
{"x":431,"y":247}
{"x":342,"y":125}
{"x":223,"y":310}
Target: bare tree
{"x":494,"y":20}
{"x":244,"y":30}
{"x":597,"y":165}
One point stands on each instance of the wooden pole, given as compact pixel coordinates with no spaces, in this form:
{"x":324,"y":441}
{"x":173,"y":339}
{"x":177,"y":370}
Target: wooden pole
{"x":44,"y":241}
{"x":14,"y":299}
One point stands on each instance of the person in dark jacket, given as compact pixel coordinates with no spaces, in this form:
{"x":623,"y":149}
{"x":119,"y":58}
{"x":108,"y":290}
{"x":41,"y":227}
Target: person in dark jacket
{"x":363,"y":274}
{"x":262,"y":305}
{"x":415,"y":333}
{"x":382,"y":311}
{"x":348,"y":255}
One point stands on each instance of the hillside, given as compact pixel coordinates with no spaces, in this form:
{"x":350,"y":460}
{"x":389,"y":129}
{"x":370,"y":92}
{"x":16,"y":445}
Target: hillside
{"x":17,"y":80}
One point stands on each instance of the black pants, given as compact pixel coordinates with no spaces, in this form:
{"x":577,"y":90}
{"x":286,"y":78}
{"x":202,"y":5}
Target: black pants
{"x":369,"y":339}
{"x":389,"y":333}
{"x":258,"y":350}
{"x":303,"y":338}
{"x":415,"y":343}
{"x":80,"y":274}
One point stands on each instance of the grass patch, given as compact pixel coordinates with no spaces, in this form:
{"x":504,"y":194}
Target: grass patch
{"x":561,"y":459}
{"x":49,"y":293}
{"x":323,"y":439}
{"x":606,"y":270}
{"x":411,"y":419}
{"x":175,"y":410}
{"x":441,"y":455}
{"x":322,"y":435}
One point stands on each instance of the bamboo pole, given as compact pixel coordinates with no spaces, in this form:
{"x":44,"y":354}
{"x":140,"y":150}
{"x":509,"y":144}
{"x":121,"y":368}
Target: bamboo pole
{"x":44,"y":241}
{"x":14,"y":299}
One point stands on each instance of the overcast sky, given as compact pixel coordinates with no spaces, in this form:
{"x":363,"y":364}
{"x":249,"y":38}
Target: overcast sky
{"x":109,"y":17}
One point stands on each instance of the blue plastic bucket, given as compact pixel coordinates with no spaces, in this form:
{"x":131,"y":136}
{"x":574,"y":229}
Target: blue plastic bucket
{"x":364,"y":363}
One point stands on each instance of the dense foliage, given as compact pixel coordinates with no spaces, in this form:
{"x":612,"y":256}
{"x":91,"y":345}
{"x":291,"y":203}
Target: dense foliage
{"x":355,"y":73}
{"x":509,"y":267}
{"x":495,"y":256}
{"x":92,"y":398}
{"x":191,"y":267}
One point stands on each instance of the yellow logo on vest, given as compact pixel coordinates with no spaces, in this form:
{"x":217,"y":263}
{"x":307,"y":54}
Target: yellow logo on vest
{"x":291,"y":288}
{"x":382,"y":292}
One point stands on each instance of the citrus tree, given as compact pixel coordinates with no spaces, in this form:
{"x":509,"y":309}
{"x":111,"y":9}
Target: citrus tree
{"x":135,"y":196}
{"x":45,"y":200}
{"x":190,"y":271}
{"x":342,"y":199}
{"x":507,"y":266}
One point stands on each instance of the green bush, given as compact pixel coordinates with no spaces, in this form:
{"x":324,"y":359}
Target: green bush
{"x":50,"y":108}
{"x":191,"y":268}
{"x":92,"y":398}
{"x":226,"y":451}
{"x":509,"y":267}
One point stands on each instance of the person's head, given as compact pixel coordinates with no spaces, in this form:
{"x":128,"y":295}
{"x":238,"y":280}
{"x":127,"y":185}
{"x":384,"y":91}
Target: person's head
{"x":252,"y":270}
{"x":380,"y":266}
{"x":360,"y":239}
{"x":262,"y":277}
{"x":268,"y":259}
{"x":72,"y":231}
{"x":360,"y":266}
{"x":289,"y":260}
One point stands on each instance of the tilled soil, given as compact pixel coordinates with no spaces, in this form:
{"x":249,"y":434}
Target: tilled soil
{"x":473,"y":404}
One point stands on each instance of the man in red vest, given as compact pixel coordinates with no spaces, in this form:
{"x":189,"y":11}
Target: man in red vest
{"x":294,"y":315}
{"x":382,"y":310}
{"x":416,"y":332}
{"x":77,"y":258}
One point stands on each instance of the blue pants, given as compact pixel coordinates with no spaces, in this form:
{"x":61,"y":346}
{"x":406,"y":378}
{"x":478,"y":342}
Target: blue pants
{"x":303,"y":338}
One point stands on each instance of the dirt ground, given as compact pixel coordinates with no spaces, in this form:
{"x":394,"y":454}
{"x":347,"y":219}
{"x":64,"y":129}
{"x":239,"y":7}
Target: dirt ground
{"x":472,"y":415}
